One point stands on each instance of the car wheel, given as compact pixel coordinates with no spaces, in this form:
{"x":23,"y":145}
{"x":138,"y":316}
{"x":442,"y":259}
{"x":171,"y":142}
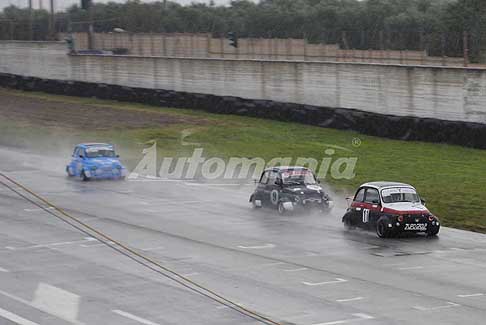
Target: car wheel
{"x":68,"y":172}
{"x":281,"y":208}
{"x":382,"y":230}
{"x":253,"y":202}
{"x":83,"y":176}
{"x":348,"y":225}
{"x":433,"y":232}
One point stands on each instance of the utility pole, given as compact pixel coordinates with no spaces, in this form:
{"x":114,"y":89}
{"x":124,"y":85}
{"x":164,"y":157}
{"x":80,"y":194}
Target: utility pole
{"x":52,"y":22}
{"x":91,"y":27}
{"x":31,"y":21}
{"x":88,"y":5}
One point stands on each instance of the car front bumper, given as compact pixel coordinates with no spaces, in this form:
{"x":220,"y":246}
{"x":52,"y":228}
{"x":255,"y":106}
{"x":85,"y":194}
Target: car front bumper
{"x":310,"y":204}
{"x":430,"y":226}
{"x":106,"y":173}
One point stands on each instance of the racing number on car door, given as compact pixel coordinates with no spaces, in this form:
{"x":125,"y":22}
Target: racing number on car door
{"x":366,"y":215}
{"x":273,"y":188}
{"x":371,"y":206}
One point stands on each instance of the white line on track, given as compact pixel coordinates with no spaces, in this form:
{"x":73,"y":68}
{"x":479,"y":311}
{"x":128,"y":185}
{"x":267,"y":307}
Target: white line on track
{"x":313,"y":284}
{"x":15,"y":318}
{"x":296,"y":270}
{"x":274,"y":264}
{"x":358,"y":317}
{"x":152,"y":248}
{"x":257,"y":247}
{"x":58,"y":302}
{"x":87,"y":239}
{"x":448,"y":305}
{"x":350,"y":299}
{"x":190,"y":274}
{"x":3,"y":270}
{"x":133,"y":317}
{"x":410,"y":268}
{"x":95,"y":245}
{"x":28,"y":303}
{"x":38,"y":209}
{"x":471,"y":295}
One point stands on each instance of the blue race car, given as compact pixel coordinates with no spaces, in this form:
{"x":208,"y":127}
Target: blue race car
{"x":95,"y":161}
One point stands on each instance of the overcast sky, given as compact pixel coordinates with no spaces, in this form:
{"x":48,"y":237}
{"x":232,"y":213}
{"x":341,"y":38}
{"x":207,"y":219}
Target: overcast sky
{"x":63,"y":4}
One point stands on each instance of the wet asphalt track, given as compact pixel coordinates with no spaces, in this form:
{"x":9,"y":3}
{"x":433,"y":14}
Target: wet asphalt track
{"x":295,"y":269}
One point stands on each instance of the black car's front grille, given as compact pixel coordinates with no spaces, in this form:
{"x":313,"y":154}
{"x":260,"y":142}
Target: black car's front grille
{"x":313,"y":195}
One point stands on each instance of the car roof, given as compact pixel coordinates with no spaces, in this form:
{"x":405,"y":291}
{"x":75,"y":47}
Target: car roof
{"x":94,"y":144}
{"x":384,"y":184}
{"x":285,"y":168}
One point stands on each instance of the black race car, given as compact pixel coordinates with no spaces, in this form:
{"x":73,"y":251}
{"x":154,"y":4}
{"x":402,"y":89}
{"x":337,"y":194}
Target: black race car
{"x":390,"y":208}
{"x":290,"y":188}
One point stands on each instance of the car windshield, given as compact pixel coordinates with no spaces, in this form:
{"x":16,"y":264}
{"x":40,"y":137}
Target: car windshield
{"x":100,"y":152}
{"x":399,"y":194}
{"x":298,"y":177}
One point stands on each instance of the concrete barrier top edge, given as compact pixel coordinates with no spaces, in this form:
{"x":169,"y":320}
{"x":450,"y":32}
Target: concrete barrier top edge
{"x":281,"y":61}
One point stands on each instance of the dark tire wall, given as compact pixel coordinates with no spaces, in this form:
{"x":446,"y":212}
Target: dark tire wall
{"x":387,"y":126}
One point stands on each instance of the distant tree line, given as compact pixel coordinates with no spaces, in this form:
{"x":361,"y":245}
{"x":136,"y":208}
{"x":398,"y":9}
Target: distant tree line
{"x":368,"y":23}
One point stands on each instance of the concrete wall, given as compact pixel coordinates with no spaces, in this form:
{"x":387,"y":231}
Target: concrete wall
{"x":441,"y":93}
{"x":204,"y":45}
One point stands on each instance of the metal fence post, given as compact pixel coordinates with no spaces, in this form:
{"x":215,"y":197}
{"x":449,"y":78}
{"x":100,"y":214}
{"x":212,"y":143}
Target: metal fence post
{"x":422,"y":48}
{"x":305,"y":47}
{"x":208,"y":44}
{"x":443,"y":48}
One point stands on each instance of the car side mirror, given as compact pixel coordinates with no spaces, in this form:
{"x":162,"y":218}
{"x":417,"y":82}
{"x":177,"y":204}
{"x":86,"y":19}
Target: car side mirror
{"x":375,"y":201}
{"x":422,"y":201}
{"x":81,"y":156}
{"x":278,"y":182}
{"x":117,"y":156}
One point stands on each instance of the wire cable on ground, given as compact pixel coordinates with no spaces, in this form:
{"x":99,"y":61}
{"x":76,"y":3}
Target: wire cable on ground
{"x":121,"y":248}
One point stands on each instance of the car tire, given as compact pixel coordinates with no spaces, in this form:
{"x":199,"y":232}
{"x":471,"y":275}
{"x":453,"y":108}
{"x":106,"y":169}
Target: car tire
{"x":83,"y":176}
{"x":348,"y":226}
{"x":382,"y":230}
{"x":253,"y":203}
{"x":280,"y":208}
{"x":68,"y":173}
{"x":433,"y":232}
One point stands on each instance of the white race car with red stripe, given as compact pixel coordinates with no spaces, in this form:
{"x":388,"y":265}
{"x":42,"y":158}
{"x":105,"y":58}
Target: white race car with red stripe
{"x":390,"y":208}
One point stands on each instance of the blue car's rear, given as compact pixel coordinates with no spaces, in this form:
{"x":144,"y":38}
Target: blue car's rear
{"x":95,"y":161}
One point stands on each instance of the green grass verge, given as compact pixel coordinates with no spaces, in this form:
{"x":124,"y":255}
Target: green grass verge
{"x":450,"y":178}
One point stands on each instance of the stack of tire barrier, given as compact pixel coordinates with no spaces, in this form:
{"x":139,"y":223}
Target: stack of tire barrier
{"x":387,"y":126}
